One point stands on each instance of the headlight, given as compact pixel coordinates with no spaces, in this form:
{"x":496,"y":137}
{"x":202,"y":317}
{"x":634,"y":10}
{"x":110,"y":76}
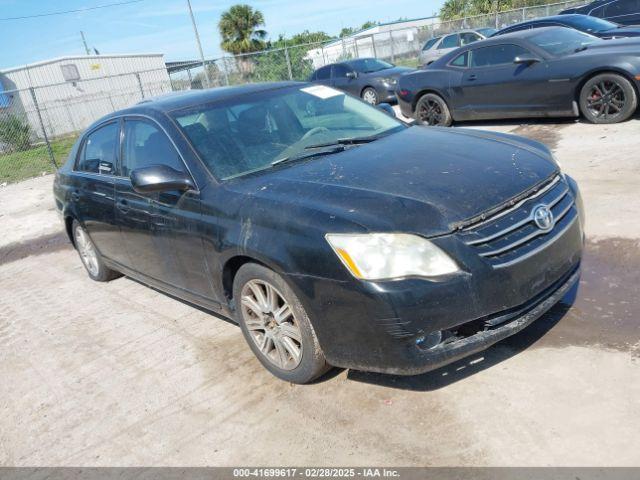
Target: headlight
{"x":390,"y":81}
{"x":380,"y":256}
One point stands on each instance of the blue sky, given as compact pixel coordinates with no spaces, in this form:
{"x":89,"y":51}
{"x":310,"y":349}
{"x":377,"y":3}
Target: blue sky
{"x":164,"y":26}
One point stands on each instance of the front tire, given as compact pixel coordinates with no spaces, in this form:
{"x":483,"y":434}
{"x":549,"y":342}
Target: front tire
{"x":90,"y":256}
{"x":276,"y":326}
{"x":432,"y":110}
{"x":608,"y":98}
{"x":370,"y":96}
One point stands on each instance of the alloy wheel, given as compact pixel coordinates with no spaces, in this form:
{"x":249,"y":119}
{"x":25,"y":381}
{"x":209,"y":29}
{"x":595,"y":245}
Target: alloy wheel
{"x":606,"y":99}
{"x":87,"y":251}
{"x":370,"y":96}
{"x":431,"y":112}
{"x":271,"y":324}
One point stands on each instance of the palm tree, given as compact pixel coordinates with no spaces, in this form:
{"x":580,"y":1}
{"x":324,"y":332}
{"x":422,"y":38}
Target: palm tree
{"x":239,"y":30}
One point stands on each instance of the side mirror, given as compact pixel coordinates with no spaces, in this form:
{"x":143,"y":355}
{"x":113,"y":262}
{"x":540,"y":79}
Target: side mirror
{"x":352,"y":75}
{"x":388,"y":109}
{"x":160,"y":178}
{"x":526,"y":60}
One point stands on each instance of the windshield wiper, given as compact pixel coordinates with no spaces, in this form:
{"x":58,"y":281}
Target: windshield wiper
{"x":345,"y":141}
{"x":337,"y":148}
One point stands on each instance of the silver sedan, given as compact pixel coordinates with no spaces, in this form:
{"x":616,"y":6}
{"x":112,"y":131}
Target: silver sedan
{"x":435,"y":47}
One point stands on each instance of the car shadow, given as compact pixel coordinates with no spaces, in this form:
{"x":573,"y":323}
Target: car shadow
{"x":461,"y":369}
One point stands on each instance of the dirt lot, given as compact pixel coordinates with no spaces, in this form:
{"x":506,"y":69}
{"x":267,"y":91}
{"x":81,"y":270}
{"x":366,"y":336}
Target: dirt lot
{"x":119,"y":374}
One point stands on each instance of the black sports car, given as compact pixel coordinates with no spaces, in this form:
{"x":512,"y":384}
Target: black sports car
{"x":595,"y":26}
{"x":545,"y":72}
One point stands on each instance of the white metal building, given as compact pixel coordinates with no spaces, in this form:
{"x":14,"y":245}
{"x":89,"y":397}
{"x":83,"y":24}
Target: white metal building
{"x":386,"y":40}
{"x":72,"y":92}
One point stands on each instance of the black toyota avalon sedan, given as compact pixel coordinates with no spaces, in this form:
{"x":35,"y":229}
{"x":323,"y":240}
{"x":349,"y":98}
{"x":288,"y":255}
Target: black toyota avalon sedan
{"x":334,"y":236}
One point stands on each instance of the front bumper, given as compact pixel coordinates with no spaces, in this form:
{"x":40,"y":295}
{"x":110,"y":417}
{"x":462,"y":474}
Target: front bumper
{"x":374,"y":326}
{"x":448,"y":352}
{"x":386,"y":94}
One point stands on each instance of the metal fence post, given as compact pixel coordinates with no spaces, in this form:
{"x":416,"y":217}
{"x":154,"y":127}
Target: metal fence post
{"x":44,"y":132}
{"x":373,"y":44}
{"x":140,"y":84}
{"x":355,"y":46}
{"x":224,"y":69}
{"x":393,"y":55}
{"x":286,"y":54}
{"x":524,"y":13}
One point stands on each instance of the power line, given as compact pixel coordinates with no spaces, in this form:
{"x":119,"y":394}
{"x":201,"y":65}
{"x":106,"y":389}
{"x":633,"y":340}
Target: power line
{"x":49,"y":14}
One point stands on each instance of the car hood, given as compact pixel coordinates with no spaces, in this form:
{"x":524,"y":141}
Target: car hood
{"x":422,"y":180}
{"x":624,"y":45}
{"x":389,"y":72}
{"x":621,"y":31}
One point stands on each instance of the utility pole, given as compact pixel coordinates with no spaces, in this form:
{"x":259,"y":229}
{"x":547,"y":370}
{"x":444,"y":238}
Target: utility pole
{"x":195,"y":30}
{"x":84,"y":42}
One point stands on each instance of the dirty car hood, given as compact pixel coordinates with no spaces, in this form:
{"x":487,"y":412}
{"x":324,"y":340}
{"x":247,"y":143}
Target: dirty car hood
{"x":423,"y":180}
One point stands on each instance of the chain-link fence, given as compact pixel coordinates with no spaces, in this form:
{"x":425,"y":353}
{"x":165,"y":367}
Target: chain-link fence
{"x":396,"y":43}
{"x":39,"y":125}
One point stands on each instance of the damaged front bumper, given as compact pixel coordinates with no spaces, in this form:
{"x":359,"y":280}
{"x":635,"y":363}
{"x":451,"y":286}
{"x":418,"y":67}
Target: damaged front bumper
{"x":489,"y":331}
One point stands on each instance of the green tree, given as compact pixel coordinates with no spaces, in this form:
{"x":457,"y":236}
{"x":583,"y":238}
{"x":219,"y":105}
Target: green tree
{"x":454,"y":9}
{"x":239,"y":30}
{"x":15,"y":135}
{"x":272,"y":65}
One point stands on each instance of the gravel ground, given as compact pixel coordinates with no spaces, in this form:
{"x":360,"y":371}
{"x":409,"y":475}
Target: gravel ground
{"x":119,"y":374}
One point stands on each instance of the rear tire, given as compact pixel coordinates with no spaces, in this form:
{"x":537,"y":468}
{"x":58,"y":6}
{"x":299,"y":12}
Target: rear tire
{"x":432,"y":110}
{"x":276,"y":326}
{"x":90,"y":256}
{"x":608,"y":98}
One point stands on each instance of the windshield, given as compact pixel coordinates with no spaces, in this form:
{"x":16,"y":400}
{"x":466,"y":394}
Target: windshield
{"x":257,"y":131}
{"x":369,"y":65}
{"x":562,"y":41}
{"x":589,"y":24}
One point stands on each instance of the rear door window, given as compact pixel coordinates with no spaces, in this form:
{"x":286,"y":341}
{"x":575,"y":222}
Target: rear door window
{"x":98,"y":153}
{"x":145,"y":145}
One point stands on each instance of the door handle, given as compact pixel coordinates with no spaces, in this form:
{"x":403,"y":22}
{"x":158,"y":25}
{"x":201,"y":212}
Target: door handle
{"x":123,"y":206}
{"x":472,"y":77}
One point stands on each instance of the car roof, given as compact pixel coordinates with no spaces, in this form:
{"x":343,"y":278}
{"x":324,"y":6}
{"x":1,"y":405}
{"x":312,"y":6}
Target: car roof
{"x":188,"y":98}
{"x":521,"y":34}
{"x":558,"y":18}
{"x":184,"y":99}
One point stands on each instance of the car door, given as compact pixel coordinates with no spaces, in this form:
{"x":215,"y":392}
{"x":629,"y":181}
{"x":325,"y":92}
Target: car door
{"x":93,"y":189}
{"x":160,"y":230}
{"x":493,"y":86}
{"x":341,"y":79}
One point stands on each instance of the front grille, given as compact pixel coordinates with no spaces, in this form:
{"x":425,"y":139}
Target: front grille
{"x":512,"y":235}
